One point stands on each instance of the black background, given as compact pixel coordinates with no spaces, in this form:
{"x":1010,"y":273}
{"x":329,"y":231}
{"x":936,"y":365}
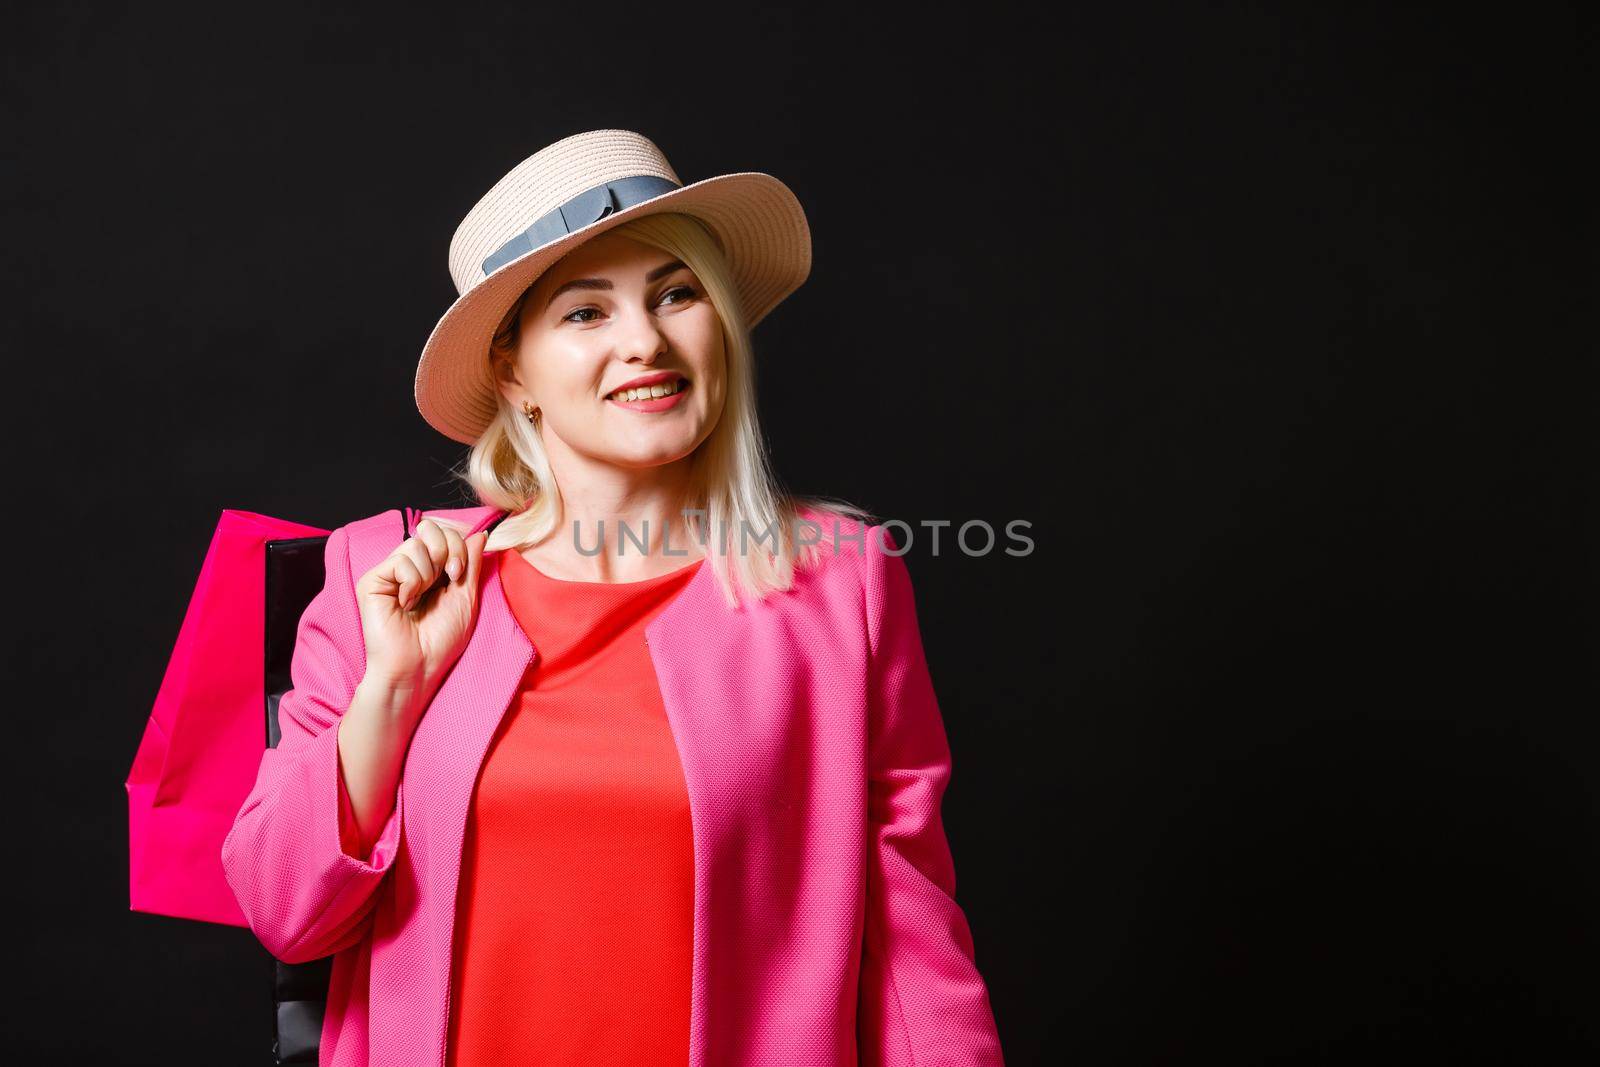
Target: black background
{"x":1281,"y":745}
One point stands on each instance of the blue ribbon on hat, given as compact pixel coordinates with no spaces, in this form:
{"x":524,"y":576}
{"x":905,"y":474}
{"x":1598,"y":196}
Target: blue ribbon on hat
{"x":589,"y":206}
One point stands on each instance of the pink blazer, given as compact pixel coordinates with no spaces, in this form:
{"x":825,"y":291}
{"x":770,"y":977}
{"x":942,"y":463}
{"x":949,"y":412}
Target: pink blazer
{"x":826,"y":932}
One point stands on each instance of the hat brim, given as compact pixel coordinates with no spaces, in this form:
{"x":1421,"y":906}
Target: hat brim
{"x":755,"y":217}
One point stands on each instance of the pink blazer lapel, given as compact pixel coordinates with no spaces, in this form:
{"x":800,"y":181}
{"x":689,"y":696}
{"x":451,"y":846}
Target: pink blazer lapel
{"x":447,"y":750}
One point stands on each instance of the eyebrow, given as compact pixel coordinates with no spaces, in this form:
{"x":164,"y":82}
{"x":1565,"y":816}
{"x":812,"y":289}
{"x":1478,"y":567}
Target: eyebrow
{"x":605,"y":283}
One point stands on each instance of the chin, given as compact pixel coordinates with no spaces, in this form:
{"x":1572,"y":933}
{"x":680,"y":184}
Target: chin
{"x":655,"y":457}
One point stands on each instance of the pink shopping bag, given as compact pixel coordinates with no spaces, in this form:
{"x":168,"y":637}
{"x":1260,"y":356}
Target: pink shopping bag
{"x":202,"y":747}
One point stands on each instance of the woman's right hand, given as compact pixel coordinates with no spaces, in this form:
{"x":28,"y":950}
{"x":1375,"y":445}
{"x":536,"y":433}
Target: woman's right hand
{"x":414,"y":628}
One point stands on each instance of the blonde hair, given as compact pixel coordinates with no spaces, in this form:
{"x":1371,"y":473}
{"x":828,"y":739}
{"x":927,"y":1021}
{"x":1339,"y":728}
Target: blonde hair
{"x":730,"y":478}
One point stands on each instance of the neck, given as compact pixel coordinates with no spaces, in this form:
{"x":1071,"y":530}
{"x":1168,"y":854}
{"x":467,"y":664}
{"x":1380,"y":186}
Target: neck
{"x":620,"y":523}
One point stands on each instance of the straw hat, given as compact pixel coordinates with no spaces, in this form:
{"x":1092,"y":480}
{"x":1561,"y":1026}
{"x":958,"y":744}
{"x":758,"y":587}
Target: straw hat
{"x":561,"y":196}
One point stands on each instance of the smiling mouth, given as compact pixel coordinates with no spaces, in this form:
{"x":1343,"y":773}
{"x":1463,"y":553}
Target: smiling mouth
{"x":650,"y":392}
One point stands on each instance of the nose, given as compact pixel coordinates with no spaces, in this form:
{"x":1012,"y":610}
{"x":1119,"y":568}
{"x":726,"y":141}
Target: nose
{"x":640,"y":339}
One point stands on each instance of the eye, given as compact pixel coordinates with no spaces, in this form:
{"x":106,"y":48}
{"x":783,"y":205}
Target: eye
{"x":568,"y":316}
{"x":688,"y":291}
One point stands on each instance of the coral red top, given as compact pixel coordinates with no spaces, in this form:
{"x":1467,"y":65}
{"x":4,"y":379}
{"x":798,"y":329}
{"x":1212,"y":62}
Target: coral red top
{"x":574,"y":919}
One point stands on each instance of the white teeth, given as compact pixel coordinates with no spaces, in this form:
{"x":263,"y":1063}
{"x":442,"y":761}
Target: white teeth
{"x":647,"y":392}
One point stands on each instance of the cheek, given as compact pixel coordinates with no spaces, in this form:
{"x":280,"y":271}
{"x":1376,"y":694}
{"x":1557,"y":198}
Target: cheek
{"x":564,"y":368}
{"x":707,"y":344}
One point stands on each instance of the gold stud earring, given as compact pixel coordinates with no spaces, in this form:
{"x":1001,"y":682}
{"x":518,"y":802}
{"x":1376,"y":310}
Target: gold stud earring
{"x":531,"y":412}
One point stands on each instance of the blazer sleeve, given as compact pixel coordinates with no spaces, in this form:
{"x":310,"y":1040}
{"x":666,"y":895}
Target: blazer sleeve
{"x":923,"y":1002}
{"x":289,"y":856}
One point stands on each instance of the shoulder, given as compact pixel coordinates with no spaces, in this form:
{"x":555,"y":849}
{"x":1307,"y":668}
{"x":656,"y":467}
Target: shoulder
{"x":393,"y":521}
{"x":855,"y":552}
{"x":870,"y":553}
{"x":841,"y":536}
{"x":372,"y":537}
{"x":463,"y":519}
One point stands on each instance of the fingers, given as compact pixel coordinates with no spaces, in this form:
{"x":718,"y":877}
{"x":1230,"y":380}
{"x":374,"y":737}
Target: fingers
{"x":409,"y":585}
{"x":433,"y":550}
{"x":456,"y":554}
{"x":474,"y":545}
{"x":429,"y":549}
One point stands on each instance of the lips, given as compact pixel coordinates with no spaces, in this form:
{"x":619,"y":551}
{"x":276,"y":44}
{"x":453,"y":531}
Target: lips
{"x":647,"y":380}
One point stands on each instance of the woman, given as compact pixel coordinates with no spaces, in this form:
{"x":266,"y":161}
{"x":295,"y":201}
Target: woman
{"x":651,"y":772}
